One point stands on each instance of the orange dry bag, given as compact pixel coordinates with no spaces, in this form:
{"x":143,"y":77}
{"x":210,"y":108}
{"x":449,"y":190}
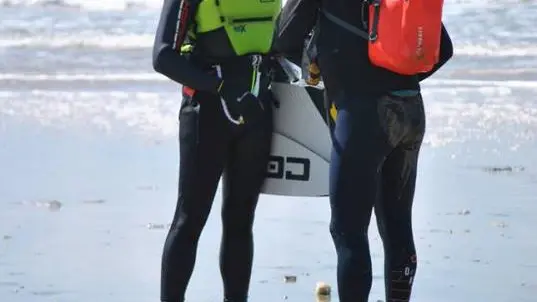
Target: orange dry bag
{"x":403,"y":35}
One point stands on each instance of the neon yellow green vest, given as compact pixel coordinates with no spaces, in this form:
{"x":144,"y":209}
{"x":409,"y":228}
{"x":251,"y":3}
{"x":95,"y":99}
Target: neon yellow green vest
{"x":249,"y":24}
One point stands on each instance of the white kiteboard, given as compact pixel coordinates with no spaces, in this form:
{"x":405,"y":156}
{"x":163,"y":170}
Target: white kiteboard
{"x":301,"y":143}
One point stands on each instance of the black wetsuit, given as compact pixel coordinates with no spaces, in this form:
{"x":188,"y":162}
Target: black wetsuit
{"x":209,"y":146}
{"x":376,"y":141}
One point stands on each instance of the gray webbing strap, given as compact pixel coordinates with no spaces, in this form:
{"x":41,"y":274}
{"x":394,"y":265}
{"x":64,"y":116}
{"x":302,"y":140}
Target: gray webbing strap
{"x":353,"y":29}
{"x":373,"y":36}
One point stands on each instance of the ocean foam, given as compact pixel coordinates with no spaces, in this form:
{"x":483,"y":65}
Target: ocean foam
{"x":450,"y":118}
{"x":86,"y":4}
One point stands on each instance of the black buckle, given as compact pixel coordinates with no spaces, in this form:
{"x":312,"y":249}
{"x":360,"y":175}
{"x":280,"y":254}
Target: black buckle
{"x":373,"y":32}
{"x":365,"y":5}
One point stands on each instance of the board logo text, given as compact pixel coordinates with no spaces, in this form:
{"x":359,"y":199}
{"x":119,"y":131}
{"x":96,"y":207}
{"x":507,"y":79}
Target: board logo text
{"x":289,"y":167}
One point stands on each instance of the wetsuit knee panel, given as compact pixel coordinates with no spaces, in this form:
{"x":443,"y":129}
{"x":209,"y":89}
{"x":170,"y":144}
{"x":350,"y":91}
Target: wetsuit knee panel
{"x":238,"y":227}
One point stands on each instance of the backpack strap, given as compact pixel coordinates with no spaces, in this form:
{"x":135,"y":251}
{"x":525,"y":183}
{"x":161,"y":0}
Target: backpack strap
{"x":372,"y":36}
{"x":194,"y":4}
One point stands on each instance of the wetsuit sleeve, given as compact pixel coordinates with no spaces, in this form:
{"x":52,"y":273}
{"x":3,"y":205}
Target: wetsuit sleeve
{"x":293,"y":26}
{"x":446,"y":52}
{"x":175,"y":19}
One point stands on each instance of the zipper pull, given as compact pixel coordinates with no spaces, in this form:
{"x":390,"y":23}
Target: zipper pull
{"x":256,"y":62}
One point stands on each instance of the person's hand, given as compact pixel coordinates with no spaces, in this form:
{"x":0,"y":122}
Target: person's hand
{"x":240,"y":107}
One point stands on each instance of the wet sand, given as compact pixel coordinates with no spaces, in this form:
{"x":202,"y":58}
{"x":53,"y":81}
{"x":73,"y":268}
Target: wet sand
{"x":83,"y":218}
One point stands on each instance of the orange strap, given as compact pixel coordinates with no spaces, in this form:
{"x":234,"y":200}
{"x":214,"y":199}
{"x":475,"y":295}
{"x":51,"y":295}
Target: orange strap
{"x":188,"y":91}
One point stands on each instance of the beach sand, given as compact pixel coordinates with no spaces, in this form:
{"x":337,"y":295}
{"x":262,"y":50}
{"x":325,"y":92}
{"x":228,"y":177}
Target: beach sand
{"x":88,"y":167}
{"x":83,"y":218}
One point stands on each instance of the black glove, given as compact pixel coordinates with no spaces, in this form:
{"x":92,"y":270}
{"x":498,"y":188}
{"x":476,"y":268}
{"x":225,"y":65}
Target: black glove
{"x":240,"y":107}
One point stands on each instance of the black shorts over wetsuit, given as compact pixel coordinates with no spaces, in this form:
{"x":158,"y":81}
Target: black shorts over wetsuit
{"x":377,"y":136}
{"x":210,"y":145}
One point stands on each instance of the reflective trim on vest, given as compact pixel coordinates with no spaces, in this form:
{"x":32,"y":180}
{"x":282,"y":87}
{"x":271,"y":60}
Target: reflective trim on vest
{"x":249,"y":24}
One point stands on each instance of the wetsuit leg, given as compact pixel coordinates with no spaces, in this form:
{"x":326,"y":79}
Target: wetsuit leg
{"x":359,"y":148}
{"x":394,"y":209}
{"x":204,"y":137}
{"x":393,"y":213}
{"x":243,"y":178}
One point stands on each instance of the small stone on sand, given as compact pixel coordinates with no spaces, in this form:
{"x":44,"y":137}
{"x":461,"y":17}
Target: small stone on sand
{"x":464,"y":212}
{"x":289,"y":279}
{"x":322,"y":289}
{"x":52,"y":205}
{"x":155,"y":226}
{"x":94,"y":201}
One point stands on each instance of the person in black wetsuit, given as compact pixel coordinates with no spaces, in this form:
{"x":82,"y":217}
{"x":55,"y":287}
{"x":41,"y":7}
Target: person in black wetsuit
{"x":377,"y":136}
{"x":225,"y":128}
